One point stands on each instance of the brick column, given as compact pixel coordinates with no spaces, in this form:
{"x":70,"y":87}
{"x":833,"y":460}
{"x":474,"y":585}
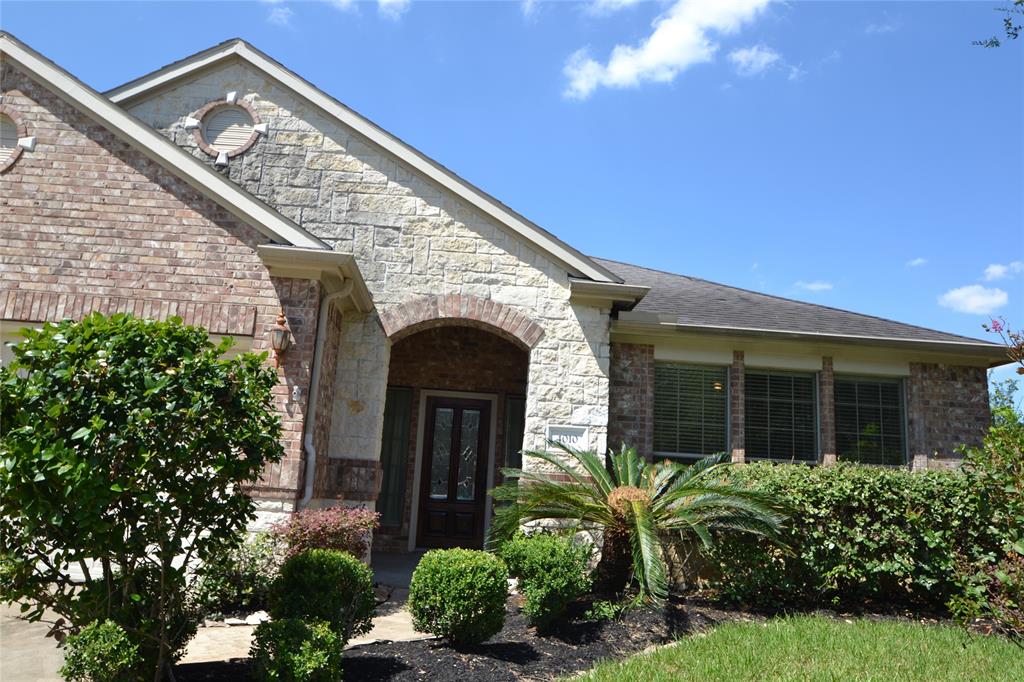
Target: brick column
{"x":737,"y":408}
{"x":827,"y":411}
{"x":631,"y":397}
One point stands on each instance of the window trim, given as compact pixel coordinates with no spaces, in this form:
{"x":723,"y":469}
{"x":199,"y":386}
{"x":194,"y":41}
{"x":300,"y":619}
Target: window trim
{"x":901,"y":385}
{"x":210,"y":109}
{"x":22,"y":132}
{"x":726,"y":386}
{"x":815,"y":403}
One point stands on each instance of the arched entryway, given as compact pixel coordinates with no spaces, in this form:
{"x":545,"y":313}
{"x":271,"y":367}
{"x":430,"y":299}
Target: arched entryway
{"x":454,"y":416}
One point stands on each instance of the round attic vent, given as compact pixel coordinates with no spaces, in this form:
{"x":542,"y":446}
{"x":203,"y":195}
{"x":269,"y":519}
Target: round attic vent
{"x":227,"y":128}
{"x":13,"y":140}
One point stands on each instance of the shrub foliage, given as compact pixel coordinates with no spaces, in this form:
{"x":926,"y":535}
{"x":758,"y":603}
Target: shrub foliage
{"x":239,"y":579}
{"x":459,"y":594}
{"x":293,"y":650}
{"x":552,"y":573}
{"x":325,"y":585}
{"x":346,"y":529}
{"x":100,"y":652}
{"x":128,"y":442}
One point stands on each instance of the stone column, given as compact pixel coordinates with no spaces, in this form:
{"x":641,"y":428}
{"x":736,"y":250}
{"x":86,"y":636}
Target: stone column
{"x":827,"y":411}
{"x":737,"y":408}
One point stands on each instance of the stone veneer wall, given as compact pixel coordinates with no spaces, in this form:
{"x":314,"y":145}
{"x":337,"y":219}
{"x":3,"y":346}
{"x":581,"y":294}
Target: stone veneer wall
{"x":947,"y":406}
{"x":411,"y":239}
{"x":89,"y":223}
{"x":631,"y":397}
{"x":459,"y":359}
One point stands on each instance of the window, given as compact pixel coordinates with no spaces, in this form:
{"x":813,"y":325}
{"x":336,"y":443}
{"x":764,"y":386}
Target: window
{"x":781,"y":416}
{"x":394,"y":455}
{"x":8,"y":138}
{"x":869,"y":421}
{"x":690,"y":409}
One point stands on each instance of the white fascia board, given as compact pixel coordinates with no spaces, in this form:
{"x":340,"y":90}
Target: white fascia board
{"x":183,"y":165}
{"x":573,"y":260}
{"x":330,"y":267}
{"x":648,"y":324}
{"x":589,"y":291}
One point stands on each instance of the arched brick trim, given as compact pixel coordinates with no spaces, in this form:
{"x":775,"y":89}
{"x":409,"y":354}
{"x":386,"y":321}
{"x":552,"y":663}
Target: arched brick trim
{"x":15,"y":117}
{"x":208,"y":109}
{"x":454,"y":309}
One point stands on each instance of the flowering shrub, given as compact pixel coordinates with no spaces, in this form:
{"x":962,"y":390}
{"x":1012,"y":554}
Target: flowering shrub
{"x":346,"y":529}
{"x":239,"y":579}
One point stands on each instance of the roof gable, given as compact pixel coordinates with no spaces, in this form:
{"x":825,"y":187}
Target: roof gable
{"x":196,"y":174}
{"x":140,"y":88}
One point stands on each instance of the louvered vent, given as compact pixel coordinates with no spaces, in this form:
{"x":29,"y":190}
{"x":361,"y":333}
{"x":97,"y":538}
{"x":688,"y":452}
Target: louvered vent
{"x":227,"y":128}
{"x":8,"y":138}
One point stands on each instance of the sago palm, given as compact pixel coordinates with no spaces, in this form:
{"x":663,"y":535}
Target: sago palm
{"x":632,"y":503}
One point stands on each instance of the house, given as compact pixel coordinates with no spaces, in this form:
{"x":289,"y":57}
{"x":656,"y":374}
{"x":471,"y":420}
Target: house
{"x":435,"y":332}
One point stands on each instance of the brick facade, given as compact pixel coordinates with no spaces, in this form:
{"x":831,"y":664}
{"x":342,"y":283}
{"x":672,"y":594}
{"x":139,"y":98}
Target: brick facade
{"x":90,"y":223}
{"x":947,"y":406}
{"x":631,"y":397}
{"x":457,"y":359}
{"x":737,"y":408}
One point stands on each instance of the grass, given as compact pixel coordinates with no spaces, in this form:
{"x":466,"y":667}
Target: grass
{"x":816,"y":648}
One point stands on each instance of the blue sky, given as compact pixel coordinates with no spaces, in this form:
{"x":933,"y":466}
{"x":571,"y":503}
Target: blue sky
{"x":859,"y":155}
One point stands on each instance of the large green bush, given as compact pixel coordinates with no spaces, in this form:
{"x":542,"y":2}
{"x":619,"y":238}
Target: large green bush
{"x":552,"y":573}
{"x":129,"y":442}
{"x":100,"y":652}
{"x":459,"y":594}
{"x":325,"y":585}
{"x":292,"y":650}
{"x":856,"y":534}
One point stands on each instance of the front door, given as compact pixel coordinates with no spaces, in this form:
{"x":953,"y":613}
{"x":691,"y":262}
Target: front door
{"x":453,"y":480}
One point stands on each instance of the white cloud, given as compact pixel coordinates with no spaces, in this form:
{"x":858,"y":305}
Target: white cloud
{"x":393,"y":9}
{"x":917,"y":262}
{"x":344,"y":5}
{"x":880,"y":27}
{"x":1000,"y":271}
{"x":755,"y":60}
{"x":974,"y":299}
{"x":680,"y":38}
{"x":280,"y":16}
{"x":609,"y":6}
{"x":816,"y":285}
{"x":529,"y":7}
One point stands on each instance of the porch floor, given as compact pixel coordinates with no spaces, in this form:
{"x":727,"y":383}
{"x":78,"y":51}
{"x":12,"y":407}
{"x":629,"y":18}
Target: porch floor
{"x":394,"y":568}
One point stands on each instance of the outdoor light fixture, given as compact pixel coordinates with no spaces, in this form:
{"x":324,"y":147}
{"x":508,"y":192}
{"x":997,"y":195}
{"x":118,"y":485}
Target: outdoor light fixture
{"x":280,"y":338}
{"x":717,"y":385}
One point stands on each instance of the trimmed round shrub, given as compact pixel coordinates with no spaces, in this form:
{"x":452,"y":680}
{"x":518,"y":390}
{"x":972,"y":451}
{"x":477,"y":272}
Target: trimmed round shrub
{"x":459,"y":594}
{"x":325,"y":585}
{"x":552,"y":573}
{"x":101,"y":652}
{"x":292,"y":650}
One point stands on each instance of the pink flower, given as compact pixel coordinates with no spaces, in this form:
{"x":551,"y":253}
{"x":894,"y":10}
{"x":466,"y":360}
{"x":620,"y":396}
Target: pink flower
{"x":997,"y":326}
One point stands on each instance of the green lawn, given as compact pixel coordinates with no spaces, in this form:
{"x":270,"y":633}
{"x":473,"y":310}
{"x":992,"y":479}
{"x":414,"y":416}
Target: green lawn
{"x":815,"y":648}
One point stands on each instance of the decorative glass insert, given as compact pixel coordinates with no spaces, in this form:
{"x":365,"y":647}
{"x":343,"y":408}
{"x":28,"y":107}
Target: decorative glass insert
{"x":440,"y":457}
{"x":468,"y":442}
{"x":690,"y":409}
{"x":869,"y":421}
{"x":781,"y":416}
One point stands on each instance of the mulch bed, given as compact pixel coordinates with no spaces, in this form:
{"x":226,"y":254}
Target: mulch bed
{"x":516,"y":653}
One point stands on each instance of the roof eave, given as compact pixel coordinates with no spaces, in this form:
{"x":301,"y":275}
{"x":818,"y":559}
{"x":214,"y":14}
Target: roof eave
{"x":654,"y":324}
{"x":574,"y":261}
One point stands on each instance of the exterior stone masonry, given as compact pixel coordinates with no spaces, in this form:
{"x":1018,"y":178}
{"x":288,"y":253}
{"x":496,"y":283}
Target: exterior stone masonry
{"x":89,"y":223}
{"x":947,"y":406}
{"x":631,"y":397}
{"x":426,"y":360}
{"x":411,"y":240}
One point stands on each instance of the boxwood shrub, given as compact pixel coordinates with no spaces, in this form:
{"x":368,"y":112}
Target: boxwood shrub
{"x":552,"y":573}
{"x":325,"y":585}
{"x":101,"y":651}
{"x":857,"y":533}
{"x":459,"y":594}
{"x":292,"y":650}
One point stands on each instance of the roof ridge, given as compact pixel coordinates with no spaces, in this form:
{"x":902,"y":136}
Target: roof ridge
{"x":793,"y":300}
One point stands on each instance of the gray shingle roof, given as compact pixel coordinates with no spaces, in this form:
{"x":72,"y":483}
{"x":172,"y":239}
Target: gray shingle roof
{"x":698,"y":302}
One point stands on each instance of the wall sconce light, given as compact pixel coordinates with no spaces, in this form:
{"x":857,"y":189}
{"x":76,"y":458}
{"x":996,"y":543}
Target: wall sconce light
{"x":280,"y":338}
